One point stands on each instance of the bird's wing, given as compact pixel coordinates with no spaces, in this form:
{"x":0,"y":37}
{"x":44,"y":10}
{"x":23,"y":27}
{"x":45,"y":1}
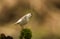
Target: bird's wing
{"x":24,"y":19}
{"x":20,"y":20}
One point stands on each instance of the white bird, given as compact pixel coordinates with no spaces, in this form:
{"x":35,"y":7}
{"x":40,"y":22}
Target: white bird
{"x":24,"y":20}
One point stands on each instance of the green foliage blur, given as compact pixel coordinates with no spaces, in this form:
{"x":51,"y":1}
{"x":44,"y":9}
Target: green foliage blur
{"x":26,"y":34}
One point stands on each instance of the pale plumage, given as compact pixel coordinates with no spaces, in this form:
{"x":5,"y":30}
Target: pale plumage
{"x":24,"y":20}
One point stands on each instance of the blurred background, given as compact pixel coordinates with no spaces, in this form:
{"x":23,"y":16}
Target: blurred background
{"x":45,"y":21}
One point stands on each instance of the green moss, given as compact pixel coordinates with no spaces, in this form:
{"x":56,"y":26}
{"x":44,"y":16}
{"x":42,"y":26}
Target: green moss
{"x":26,"y":33}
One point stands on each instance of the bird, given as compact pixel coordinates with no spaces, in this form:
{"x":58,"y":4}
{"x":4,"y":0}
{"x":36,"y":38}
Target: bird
{"x":24,"y":19}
